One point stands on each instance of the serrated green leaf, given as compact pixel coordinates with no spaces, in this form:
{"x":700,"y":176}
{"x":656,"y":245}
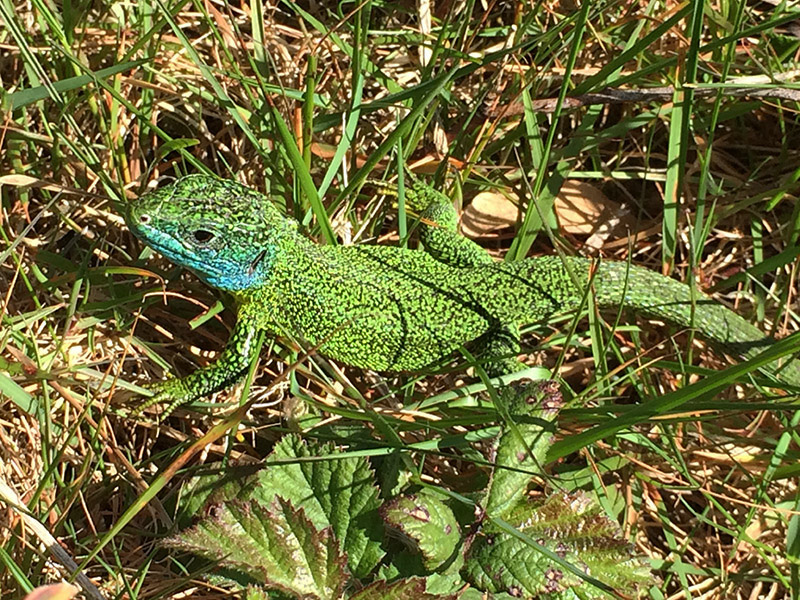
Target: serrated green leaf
{"x":388,"y":571}
{"x":256,"y":593}
{"x":475,"y":594}
{"x":573,"y":527}
{"x":209,"y":488}
{"x":523,"y":444}
{"x":564,"y":515}
{"x":339,"y":492}
{"x":429,"y":523}
{"x":449,"y":582}
{"x":278,"y":548}
{"x":404,"y":589}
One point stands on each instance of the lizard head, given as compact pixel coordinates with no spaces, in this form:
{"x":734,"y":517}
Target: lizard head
{"x":221,"y":230}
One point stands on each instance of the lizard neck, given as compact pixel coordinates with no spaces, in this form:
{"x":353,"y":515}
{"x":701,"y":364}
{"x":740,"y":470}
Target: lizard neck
{"x":286,"y":255}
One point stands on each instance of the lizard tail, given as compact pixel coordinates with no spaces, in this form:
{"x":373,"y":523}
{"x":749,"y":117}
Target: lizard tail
{"x":537,"y":287}
{"x":656,"y":296}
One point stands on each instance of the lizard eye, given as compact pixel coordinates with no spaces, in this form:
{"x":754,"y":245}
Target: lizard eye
{"x":144,"y":219}
{"x":202,"y":236}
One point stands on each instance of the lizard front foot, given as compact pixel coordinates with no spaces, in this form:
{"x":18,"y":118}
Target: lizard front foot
{"x":172,"y":393}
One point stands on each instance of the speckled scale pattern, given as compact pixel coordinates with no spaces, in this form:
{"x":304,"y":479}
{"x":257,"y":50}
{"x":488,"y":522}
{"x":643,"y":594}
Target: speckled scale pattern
{"x":439,"y":230}
{"x":382,"y":307}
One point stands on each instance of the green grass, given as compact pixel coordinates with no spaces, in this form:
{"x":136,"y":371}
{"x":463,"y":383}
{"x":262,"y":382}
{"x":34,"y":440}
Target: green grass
{"x":695,"y":459}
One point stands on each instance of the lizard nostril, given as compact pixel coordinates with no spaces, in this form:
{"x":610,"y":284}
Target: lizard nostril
{"x":144,"y":219}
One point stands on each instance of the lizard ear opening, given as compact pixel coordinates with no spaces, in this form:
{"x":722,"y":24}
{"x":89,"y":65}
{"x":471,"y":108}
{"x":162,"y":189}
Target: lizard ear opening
{"x":258,"y":260}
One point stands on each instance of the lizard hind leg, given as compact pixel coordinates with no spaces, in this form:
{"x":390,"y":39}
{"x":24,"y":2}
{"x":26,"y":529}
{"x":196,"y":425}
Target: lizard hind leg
{"x":438,"y":232}
{"x":438,"y":226}
{"x":498,"y":350}
{"x":439,"y":235}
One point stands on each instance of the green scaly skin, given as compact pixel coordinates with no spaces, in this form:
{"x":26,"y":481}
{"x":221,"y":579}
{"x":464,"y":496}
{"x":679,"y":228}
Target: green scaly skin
{"x":387,"y":308}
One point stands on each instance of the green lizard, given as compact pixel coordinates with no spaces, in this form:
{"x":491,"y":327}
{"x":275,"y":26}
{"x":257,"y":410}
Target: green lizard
{"x":387,"y":308}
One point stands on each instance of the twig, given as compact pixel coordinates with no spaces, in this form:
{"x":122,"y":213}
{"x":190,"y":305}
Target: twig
{"x":656,"y":94}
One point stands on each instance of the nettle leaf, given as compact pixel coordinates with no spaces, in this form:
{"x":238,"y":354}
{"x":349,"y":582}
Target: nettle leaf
{"x":207,"y":489}
{"x":475,"y":594}
{"x":510,"y":554}
{"x":256,"y":593}
{"x":448,"y":582}
{"x":428,"y":523}
{"x":573,"y":527}
{"x":339,"y":492}
{"x":404,"y":589}
{"x":278,"y":547}
{"x":521,"y":449}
